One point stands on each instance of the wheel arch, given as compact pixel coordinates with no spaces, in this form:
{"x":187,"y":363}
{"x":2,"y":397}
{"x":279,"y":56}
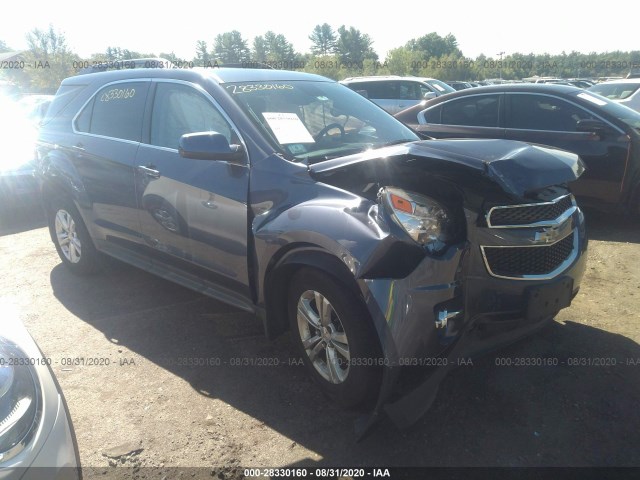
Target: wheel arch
{"x":281,"y":269}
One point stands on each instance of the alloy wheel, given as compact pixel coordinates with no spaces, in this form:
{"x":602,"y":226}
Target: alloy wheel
{"x":323,"y":336}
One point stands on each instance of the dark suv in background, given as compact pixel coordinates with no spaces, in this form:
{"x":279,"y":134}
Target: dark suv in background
{"x":293,"y":197}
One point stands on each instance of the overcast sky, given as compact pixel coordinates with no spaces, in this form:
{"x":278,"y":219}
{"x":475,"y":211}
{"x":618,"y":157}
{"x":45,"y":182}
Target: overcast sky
{"x":481,"y":26}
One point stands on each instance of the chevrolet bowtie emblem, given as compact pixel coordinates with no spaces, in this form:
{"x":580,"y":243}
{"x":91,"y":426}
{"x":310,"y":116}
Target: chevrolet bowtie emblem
{"x":547,"y":235}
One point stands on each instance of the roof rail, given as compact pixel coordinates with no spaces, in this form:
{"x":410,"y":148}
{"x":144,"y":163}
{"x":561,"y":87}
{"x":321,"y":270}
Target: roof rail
{"x":127,"y":64}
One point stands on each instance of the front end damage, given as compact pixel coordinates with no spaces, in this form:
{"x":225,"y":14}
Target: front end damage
{"x":516,"y":258}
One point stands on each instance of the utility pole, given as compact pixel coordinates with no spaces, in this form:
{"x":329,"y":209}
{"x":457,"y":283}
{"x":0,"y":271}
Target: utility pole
{"x":500,"y":65}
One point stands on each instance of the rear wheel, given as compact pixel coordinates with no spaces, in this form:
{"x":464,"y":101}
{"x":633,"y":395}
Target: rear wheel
{"x":71,"y":238}
{"x":334,"y":334}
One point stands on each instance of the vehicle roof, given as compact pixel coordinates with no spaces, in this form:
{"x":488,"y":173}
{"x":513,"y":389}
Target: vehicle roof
{"x":622,"y":80}
{"x":381,"y":78}
{"x":218,"y":75}
{"x":510,"y":87}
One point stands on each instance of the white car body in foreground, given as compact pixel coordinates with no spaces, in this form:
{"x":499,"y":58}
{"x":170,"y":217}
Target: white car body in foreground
{"x":36,"y":434}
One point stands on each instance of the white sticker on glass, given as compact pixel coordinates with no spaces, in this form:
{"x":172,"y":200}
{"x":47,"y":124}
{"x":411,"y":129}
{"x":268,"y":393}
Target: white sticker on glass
{"x":592,"y":99}
{"x":288,"y":128}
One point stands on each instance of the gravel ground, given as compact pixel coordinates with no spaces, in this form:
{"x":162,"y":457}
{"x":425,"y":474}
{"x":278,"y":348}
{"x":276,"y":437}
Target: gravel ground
{"x":167,"y":389}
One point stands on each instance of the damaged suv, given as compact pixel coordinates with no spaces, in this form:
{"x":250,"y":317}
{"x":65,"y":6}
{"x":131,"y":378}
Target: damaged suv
{"x":293,"y":197}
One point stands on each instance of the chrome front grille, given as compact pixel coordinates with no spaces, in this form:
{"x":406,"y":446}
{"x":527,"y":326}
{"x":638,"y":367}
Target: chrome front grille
{"x":551,"y":241}
{"x":532,"y":214}
{"x":529,"y":261}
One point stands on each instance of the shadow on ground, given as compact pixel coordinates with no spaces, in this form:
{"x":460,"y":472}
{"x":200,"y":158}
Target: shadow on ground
{"x":17,"y":219}
{"x":579,"y":409}
{"x":612,"y":228}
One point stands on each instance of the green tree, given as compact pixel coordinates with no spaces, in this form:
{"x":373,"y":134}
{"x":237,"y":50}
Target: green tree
{"x":354,"y":47}
{"x":272,"y":48}
{"x":4,"y":47}
{"x":230,"y":47}
{"x":203,"y":57}
{"x":323,"y":39}
{"x":49,"y":58}
{"x":173,"y":58}
{"x":433,"y":45}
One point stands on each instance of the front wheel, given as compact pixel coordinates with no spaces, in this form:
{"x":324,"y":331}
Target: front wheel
{"x":334,"y":334}
{"x":71,"y":238}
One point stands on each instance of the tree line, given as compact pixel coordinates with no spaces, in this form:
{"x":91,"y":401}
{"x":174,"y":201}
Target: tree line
{"x":335,"y":53}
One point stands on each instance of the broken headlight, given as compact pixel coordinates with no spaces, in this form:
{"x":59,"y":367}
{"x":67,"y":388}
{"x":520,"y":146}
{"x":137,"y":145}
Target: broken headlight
{"x":424,"y":219}
{"x":20,"y":402}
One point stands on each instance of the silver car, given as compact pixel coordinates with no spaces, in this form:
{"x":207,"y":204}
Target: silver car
{"x":626,"y":92}
{"x":394,"y":93}
{"x":36,"y":434}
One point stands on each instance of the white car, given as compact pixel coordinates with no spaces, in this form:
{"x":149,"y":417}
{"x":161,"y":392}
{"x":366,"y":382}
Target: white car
{"x":36,"y":434}
{"x":626,"y":91}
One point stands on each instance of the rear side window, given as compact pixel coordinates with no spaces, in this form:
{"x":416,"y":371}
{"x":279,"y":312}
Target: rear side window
{"x":432,"y":115}
{"x":115,"y":111}
{"x":64,"y":95}
{"x":385,"y":90}
{"x":476,"y":110}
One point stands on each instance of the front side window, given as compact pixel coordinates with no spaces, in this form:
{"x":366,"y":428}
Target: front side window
{"x":115,"y":111}
{"x":475,"y":110}
{"x":180,"y":109}
{"x":409,"y":91}
{"x":543,"y":112}
{"x":313,"y":121}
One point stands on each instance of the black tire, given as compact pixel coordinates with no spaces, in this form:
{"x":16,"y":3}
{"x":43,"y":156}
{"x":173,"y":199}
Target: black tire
{"x":358,"y":382}
{"x":78,"y":254}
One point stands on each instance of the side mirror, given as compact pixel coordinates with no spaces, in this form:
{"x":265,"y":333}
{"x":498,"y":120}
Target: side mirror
{"x":208,"y":146}
{"x":590,"y":125}
{"x":429,"y":95}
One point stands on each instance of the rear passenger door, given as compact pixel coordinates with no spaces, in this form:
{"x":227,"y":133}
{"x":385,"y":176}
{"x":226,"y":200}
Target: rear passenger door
{"x":472,"y":116}
{"x":193,"y":213}
{"x":108,"y":130}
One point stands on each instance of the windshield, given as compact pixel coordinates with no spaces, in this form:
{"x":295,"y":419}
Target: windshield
{"x":314,"y":121}
{"x":615,"y":91}
{"x":617,"y":110}
{"x":439,"y":85}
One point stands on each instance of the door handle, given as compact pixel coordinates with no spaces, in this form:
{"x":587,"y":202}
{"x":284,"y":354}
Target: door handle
{"x":149,"y":170}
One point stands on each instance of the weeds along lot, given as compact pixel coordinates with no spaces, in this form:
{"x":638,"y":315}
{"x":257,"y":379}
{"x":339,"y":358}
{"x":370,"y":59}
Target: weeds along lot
{"x":155,"y":375}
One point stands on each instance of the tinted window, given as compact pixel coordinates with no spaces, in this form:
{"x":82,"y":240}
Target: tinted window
{"x":542,"y":112}
{"x":433,"y":115}
{"x":378,"y":90}
{"x":475,"y":110}
{"x":409,"y":91}
{"x":64,"y":95}
{"x":180,"y":109}
{"x":116,"y":111}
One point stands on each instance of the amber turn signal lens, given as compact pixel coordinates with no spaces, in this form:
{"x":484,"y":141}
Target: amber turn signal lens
{"x":401,"y":204}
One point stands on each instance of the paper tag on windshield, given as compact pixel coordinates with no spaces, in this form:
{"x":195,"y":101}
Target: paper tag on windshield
{"x":288,"y":128}
{"x":592,"y":99}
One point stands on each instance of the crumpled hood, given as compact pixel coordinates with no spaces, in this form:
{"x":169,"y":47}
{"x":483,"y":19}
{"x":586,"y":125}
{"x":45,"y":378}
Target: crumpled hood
{"x":517,"y":167}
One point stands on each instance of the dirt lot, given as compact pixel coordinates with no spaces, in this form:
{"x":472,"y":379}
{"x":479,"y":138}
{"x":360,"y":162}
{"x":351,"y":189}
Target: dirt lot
{"x":229,"y":415}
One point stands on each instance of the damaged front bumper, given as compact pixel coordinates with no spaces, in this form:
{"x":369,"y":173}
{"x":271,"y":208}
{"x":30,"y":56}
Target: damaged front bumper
{"x":457,"y":306}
